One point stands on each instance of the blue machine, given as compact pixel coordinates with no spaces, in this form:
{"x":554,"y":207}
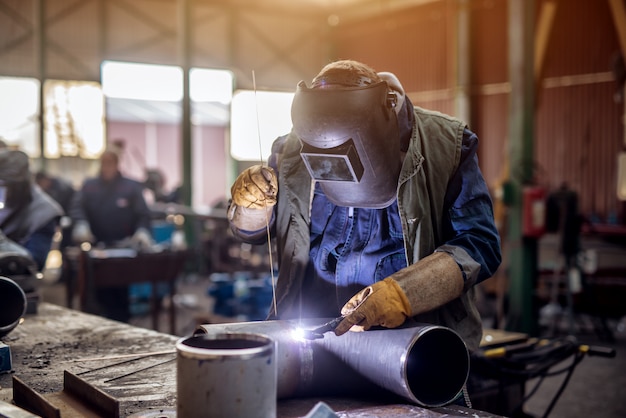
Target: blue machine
{"x":241,"y":295}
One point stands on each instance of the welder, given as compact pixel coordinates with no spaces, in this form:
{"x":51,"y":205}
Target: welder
{"x":378,"y":208}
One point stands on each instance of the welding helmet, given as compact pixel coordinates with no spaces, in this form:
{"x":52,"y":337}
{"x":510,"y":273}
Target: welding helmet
{"x":350,"y":140}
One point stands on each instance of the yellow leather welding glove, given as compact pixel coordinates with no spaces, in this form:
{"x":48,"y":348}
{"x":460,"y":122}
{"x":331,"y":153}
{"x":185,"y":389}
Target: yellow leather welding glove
{"x":256,"y":187}
{"x":383,"y":303}
{"x":421,"y":287}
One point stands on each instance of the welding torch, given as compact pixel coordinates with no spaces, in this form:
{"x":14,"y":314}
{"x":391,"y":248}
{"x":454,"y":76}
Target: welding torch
{"x":319,"y":332}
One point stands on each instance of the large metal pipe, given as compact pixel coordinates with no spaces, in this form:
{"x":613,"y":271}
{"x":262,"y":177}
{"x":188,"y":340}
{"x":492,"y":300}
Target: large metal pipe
{"x":426,"y":364}
{"x":12,"y":305}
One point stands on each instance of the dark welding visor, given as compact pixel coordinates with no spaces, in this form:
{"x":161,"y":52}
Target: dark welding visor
{"x":350,"y":141}
{"x":340,"y":163}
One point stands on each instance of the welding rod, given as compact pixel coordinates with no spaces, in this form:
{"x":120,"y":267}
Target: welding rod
{"x":147,"y":354}
{"x":114,"y":365}
{"x":139,"y":370}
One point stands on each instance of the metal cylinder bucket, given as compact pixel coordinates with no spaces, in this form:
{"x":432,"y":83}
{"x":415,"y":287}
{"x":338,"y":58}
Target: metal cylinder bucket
{"x":226,"y":375}
{"x":12,"y":305}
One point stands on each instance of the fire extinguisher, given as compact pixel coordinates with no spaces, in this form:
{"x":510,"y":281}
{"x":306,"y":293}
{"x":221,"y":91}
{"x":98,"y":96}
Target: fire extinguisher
{"x":533,"y":211}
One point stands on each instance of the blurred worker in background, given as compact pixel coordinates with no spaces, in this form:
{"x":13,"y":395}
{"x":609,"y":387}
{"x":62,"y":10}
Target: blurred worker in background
{"x":155,"y":182}
{"x":112,"y":211}
{"x":64,"y":194}
{"x":112,"y":208}
{"x":379,"y":208}
{"x":28,"y":216}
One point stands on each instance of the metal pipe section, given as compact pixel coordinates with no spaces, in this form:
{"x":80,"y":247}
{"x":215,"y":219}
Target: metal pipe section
{"x":12,"y":305}
{"x":426,"y":364}
{"x":226,"y":375}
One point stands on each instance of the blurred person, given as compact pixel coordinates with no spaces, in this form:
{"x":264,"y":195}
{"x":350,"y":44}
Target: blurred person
{"x":28,"y":216}
{"x":64,"y":194}
{"x":379,"y":208}
{"x":111,"y":208}
{"x":18,"y":264}
{"x":155,"y":182}
{"x":112,"y":211}
{"x":57,"y":188}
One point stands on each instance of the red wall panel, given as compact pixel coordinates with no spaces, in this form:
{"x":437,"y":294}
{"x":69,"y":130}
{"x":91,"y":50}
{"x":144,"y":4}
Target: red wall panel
{"x":413,"y":44}
{"x":578,"y":125}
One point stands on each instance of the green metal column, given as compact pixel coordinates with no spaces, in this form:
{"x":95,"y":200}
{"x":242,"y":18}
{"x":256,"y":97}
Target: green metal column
{"x":184,"y":39}
{"x":463,"y":58}
{"x":522,"y":267}
{"x":185,"y":46}
{"x":40,"y":58}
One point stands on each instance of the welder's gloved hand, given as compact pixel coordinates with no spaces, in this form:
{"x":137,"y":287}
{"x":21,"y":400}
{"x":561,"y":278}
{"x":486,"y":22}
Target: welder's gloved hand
{"x":81,"y":232}
{"x":256,"y":188}
{"x":141,"y":239}
{"x":383,"y":303}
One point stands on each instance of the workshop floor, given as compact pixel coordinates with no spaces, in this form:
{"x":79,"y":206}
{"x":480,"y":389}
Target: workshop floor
{"x":597,"y":387}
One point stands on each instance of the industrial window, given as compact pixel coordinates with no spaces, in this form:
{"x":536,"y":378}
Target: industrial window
{"x":19,"y":113}
{"x":73,"y":119}
{"x":257,"y":119}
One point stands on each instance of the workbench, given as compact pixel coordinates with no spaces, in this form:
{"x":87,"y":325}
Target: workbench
{"x":58,"y":340}
{"x":99,"y":269}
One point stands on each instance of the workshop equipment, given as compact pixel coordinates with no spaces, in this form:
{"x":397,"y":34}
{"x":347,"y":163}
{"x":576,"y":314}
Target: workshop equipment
{"x":102,"y":268}
{"x":426,"y":364}
{"x":226,"y":375}
{"x":500,"y":374}
{"x":242,"y":294}
{"x":17,"y":264}
{"x":13,"y":303}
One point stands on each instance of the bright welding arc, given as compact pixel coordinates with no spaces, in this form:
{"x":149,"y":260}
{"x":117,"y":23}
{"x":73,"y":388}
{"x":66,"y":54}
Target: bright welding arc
{"x":267,"y":220}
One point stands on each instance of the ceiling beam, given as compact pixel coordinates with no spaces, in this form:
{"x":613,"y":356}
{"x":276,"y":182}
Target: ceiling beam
{"x":619,"y":18}
{"x":542,"y":36}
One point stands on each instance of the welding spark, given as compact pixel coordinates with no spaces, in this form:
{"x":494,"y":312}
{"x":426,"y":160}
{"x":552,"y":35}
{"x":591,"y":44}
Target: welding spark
{"x":298,"y":334}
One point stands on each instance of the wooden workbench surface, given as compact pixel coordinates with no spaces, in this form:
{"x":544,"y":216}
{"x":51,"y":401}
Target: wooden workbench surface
{"x":96,"y":349}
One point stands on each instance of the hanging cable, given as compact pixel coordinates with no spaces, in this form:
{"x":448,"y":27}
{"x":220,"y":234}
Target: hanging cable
{"x":267,"y":220}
